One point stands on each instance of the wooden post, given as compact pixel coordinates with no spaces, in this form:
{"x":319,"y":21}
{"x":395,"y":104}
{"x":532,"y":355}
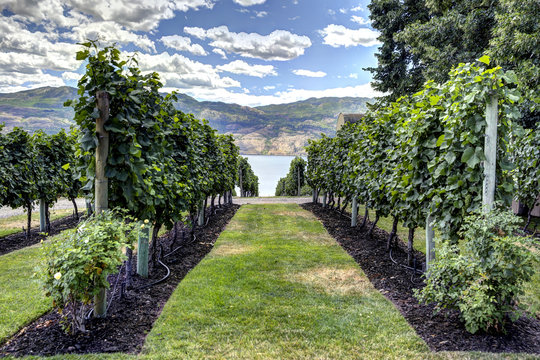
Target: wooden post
{"x":142,"y":251}
{"x":201,"y":213}
{"x":324,"y":199}
{"x":42,"y":215}
{"x":101,"y":182}
{"x":354,"y":212}
{"x":430,"y":244}
{"x":490,"y":151}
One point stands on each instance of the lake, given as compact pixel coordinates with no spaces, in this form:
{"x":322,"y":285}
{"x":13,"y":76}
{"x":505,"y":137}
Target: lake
{"x":269,"y":169}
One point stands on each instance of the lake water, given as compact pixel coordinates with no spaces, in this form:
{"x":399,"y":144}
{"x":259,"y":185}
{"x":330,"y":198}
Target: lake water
{"x":269,"y":169}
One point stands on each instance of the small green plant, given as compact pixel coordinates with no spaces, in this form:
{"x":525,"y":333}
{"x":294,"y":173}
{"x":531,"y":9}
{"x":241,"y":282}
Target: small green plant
{"x":75,"y":266}
{"x":483,"y":275}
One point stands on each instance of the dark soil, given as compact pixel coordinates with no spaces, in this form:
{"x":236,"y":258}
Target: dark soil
{"x":130,"y":318}
{"x":19,"y":240}
{"x":442,"y":332}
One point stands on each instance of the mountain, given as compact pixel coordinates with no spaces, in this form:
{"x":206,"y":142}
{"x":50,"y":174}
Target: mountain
{"x":273,"y":129}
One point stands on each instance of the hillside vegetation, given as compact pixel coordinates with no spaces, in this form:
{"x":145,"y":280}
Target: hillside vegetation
{"x":273,"y":129}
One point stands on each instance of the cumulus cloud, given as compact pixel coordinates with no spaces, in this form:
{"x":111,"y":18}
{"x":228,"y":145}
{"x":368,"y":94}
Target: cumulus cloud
{"x":67,"y":75}
{"x":243,"y":68}
{"x":309,"y":73}
{"x":338,"y":35}
{"x":220,"y":53}
{"x":260,"y":14}
{"x":13,"y":81}
{"x":358,"y":8}
{"x":249,"y":2}
{"x":278,"y":45}
{"x":182,"y":43}
{"x":139,"y":15}
{"x":269,"y":87}
{"x":109,"y":32}
{"x":360,"y":20}
{"x":178,"y":71}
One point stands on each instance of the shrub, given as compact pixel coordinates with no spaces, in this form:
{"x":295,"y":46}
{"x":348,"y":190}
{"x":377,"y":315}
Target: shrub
{"x":484,"y":274}
{"x":76,"y":264}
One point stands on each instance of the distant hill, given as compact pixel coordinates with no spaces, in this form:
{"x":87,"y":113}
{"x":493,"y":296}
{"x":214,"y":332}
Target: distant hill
{"x":273,"y":129}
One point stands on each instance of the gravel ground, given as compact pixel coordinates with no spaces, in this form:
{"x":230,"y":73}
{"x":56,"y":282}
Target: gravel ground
{"x":6,"y":211}
{"x":66,"y":204}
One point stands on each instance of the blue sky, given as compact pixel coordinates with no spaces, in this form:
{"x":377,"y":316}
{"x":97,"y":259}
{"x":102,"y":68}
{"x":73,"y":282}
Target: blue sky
{"x":250,"y":52}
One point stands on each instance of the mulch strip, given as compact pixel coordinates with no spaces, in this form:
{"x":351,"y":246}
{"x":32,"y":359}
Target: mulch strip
{"x":131,"y":318}
{"x":19,"y":240}
{"x":442,"y":332}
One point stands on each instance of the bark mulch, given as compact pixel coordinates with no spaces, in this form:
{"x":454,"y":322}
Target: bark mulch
{"x":442,"y":332}
{"x":130,"y":318}
{"x":19,"y":240}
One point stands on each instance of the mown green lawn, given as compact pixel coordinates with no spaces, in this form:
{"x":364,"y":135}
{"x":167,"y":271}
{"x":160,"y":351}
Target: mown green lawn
{"x":276,"y":286}
{"x":14,"y":224}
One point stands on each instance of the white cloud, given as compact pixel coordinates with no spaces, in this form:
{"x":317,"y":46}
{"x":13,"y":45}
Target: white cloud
{"x":109,"y":32}
{"x":220,"y":53}
{"x":339,"y":35}
{"x":278,"y":45}
{"x":13,"y":81}
{"x":249,"y":2}
{"x":67,"y":75}
{"x":343,"y":11}
{"x":260,"y":14}
{"x":360,"y":20}
{"x":353,"y":76}
{"x":269,"y":87}
{"x":358,"y":8}
{"x":243,"y":68}
{"x":182,"y":43}
{"x":331,"y":12}
{"x":138,"y":15}
{"x":180,"y":72}
{"x":309,"y":73}
{"x":281,"y":97}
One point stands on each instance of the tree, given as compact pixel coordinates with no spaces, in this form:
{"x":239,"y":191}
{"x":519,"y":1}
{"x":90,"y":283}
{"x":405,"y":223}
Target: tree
{"x":455,"y":32}
{"x":398,"y":71}
{"x":515,"y":45}
{"x":294,"y":181}
{"x":18,"y":184}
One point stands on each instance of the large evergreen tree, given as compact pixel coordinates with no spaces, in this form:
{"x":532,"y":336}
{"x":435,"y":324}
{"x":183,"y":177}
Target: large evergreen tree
{"x":398,"y":72}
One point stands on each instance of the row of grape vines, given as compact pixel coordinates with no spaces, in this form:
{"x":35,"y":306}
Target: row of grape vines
{"x":424,"y":153}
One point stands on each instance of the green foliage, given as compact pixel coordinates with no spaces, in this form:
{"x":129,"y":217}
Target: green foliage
{"x":526,"y":155}
{"x":76,"y":265}
{"x":294,"y":182}
{"x":247,"y":180}
{"x":483,"y":276}
{"x":423,"y":153}
{"x":161,"y":162}
{"x":398,"y":71}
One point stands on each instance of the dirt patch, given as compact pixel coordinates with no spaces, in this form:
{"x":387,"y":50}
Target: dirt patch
{"x":130,"y":318}
{"x":293,"y":214}
{"x":19,"y":240}
{"x":334,"y":280}
{"x":228,"y":249}
{"x":442,"y":332}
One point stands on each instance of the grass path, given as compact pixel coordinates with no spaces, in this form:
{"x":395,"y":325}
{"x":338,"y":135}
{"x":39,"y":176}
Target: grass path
{"x":276,"y":286}
{"x":21,"y":297}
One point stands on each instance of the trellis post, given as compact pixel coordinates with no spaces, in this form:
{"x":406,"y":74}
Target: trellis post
{"x":430,"y":244}
{"x":142,"y":250}
{"x":201,"y":213}
{"x":490,"y":152}
{"x":101,"y":182}
{"x":42,"y":215}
